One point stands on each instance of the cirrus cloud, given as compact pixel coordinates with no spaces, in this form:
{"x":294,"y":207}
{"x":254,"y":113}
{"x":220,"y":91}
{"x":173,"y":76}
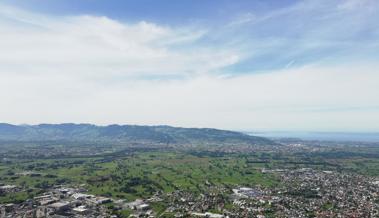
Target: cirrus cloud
{"x":249,"y":74}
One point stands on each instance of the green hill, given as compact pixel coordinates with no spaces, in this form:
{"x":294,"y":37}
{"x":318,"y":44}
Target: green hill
{"x":125,"y":134}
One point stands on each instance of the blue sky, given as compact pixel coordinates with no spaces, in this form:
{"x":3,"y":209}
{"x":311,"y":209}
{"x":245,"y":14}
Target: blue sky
{"x":245,"y":65}
{"x":164,"y":11}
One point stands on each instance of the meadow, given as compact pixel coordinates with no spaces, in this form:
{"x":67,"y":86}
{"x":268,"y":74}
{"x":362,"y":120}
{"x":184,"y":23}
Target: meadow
{"x":138,"y":175}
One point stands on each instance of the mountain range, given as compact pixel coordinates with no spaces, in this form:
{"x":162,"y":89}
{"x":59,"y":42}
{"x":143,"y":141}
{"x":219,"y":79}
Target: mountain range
{"x":125,"y":134}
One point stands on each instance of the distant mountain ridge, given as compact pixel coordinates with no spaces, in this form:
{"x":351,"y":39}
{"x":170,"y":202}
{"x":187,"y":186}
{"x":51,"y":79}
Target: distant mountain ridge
{"x":125,"y":133}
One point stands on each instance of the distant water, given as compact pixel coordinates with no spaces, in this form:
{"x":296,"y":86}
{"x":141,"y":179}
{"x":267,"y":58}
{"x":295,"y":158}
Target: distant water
{"x":330,"y":136}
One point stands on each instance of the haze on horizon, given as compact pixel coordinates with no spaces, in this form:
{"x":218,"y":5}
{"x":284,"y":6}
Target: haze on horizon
{"x":243,"y":65}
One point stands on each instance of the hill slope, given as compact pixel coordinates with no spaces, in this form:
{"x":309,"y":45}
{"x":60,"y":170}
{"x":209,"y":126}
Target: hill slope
{"x":125,"y":134}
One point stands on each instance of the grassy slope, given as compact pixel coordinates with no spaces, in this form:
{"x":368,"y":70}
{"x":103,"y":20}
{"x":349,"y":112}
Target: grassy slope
{"x":140,"y":175}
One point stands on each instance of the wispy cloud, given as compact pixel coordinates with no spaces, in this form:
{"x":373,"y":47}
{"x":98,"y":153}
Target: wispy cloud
{"x":308,"y":32}
{"x":100,"y":46}
{"x":317,"y":58}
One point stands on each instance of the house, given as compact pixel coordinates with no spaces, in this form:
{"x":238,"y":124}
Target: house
{"x":82,"y":210}
{"x":59,"y":206}
{"x":81,"y":196}
{"x":8,"y":188}
{"x":143,"y":207}
{"x":133,"y":205}
{"x":99,"y":200}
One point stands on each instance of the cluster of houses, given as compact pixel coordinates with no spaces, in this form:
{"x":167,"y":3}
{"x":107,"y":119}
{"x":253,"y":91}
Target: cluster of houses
{"x":189,"y":204}
{"x":8,"y":188}
{"x":140,"y":208}
{"x":63,"y":202}
{"x":306,"y":192}
{"x":301,"y":193}
{"x":59,"y":203}
{"x":328,"y":193}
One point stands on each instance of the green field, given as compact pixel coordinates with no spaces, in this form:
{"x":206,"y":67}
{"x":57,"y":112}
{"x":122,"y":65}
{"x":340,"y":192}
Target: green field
{"x":141,"y":174}
{"x":136,"y":176}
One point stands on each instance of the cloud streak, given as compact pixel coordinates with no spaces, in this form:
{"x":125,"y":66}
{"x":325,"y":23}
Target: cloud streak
{"x":102,"y":46}
{"x":308,"y":32}
{"x":305,"y":67}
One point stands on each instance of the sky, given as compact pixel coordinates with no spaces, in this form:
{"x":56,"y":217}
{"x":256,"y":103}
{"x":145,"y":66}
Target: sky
{"x":253,"y":65}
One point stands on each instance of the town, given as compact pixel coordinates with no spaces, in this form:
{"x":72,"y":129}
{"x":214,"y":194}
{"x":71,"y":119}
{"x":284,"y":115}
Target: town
{"x":302,"y":193}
